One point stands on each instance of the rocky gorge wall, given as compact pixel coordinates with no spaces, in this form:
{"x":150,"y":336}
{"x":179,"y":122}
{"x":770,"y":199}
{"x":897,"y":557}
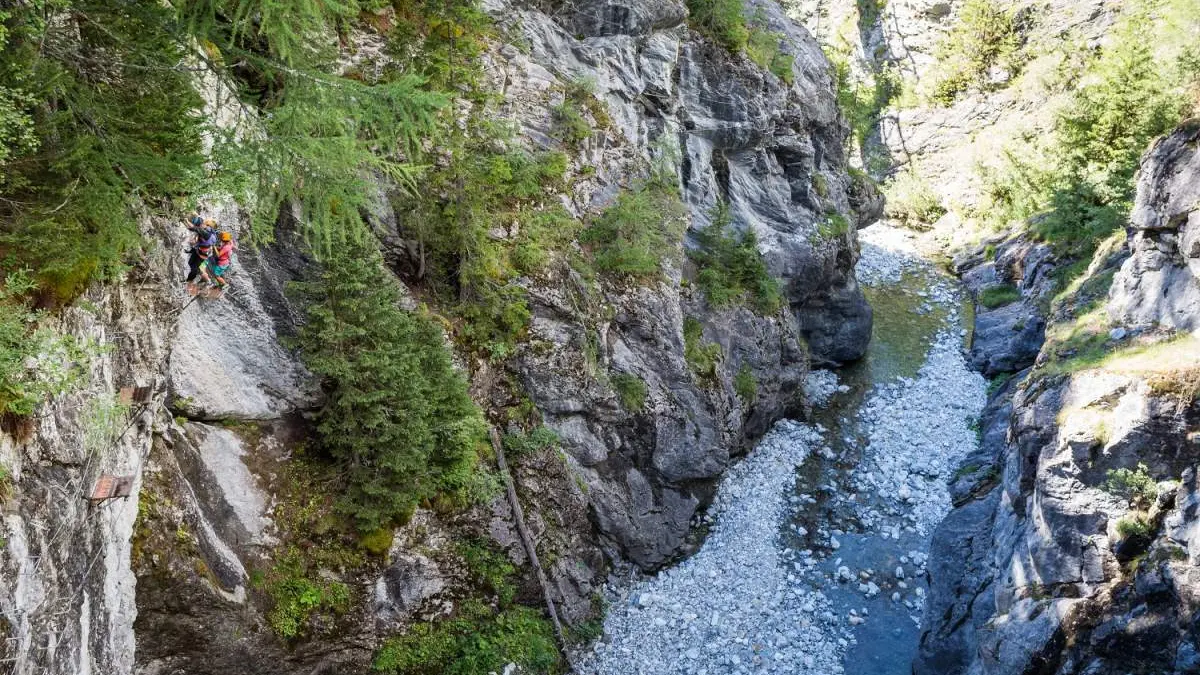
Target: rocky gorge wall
{"x":1046,"y":564}
{"x":773,"y":153}
{"x":165,"y":580}
{"x":1065,"y":571}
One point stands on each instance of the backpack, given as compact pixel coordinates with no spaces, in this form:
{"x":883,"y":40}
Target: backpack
{"x":206,"y":239}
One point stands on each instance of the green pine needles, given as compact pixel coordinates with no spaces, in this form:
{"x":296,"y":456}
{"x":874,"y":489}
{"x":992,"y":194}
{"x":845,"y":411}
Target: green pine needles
{"x":293,"y":32}
{"x":99,"y":121}
{"x":92,"y":115}
{"x":398,"y":418}
{"x":326,"y":141}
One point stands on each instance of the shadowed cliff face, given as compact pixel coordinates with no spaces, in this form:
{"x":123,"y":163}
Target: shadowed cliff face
{"x":229,"y":394}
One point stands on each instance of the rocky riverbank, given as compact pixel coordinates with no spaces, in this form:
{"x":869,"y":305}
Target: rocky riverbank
{"x":815,"y":559}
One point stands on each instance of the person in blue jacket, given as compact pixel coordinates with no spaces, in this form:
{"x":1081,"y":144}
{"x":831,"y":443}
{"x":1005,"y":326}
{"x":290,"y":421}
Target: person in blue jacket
{"x":204,"y":242}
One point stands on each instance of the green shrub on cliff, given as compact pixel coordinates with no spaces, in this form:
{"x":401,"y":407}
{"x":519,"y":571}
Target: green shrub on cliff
{"x":633,"y":237}
{"x":35,"y":363}
{"x":482,"y":190}
{"x":745,"y":384}
{"x":731,"y":270}
{"x":702,"y":357}
{"x":999,"y":296}
{"x":725,"y":20}
{"x":1135,"y":485}
{"x":983,"y":37}
{"x":631,"y":390}
{"x":486,"y":632}
{"x":764,"y":49}
{"x":478,"y":640}
{"x":298,"y":594}
{"x":397,"y":419}
{"x":912,"y":201}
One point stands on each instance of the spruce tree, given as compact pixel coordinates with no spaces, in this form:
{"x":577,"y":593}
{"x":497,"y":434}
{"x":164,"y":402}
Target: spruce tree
{"x":398,"y":418}
{"x":96,"y":108}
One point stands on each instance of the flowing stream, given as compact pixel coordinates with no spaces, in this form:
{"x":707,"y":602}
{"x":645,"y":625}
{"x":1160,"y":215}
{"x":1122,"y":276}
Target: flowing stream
{"x":815,"y":561}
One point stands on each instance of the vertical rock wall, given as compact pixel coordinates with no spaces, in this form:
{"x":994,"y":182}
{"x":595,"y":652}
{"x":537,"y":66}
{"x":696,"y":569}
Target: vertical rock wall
{"x":1046,"y":566}
{"x":774,"y":153}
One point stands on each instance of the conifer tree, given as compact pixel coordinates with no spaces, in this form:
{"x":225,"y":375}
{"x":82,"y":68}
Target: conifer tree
{"x":99,"y":115}
{"x":398,"y":418}
{"x":100,"y":109}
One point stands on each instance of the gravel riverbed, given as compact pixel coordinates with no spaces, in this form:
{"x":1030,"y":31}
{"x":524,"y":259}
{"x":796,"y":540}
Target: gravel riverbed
{"x":778,"y":587}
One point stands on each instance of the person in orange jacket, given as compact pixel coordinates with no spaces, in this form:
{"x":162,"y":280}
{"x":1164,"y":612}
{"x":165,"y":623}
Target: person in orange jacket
{"x":217,"y":265}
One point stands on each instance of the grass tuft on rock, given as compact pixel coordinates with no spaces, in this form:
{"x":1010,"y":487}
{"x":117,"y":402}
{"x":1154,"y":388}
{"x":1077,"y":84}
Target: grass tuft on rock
{"x":999,"y":296}
{"x":632,"y":391}
{"x":745,"y":385}
{"x":702,"y":357}
{"x":299,"y":593}
{"x":478,"y":640}
{"x":1135,"y":526}
{"x":522,"y":444}
{"x":731,"y":269}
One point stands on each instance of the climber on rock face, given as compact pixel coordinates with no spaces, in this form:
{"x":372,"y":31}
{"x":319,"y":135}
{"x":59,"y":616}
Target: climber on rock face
{"x":217,"y":265}
{"x":203,"y":242}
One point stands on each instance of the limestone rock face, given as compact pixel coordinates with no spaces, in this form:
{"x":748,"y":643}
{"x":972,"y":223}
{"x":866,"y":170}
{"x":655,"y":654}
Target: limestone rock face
{"x":66,"y":583}
{"x":1028,"y":569}
{"x":1160,"y":283}
{"x":1045,"y":566}
{"x":1008,"y":338}
{"x":771,"y":151}
{"x":599,"y":18}
{"x":226,"y":357}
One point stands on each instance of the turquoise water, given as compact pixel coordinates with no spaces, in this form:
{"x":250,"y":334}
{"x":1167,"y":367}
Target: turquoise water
{"x":900,"y":342}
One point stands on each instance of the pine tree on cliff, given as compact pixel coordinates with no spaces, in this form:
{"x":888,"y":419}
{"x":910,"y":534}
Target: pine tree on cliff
{"x":99,"y":119}
{"x":398,"y":418}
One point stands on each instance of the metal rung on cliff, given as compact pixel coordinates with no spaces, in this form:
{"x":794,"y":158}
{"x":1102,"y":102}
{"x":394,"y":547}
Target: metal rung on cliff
{"x":111,"y":487}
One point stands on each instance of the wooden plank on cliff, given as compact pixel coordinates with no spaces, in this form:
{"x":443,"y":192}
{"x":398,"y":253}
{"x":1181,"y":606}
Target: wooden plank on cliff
{"x":111,"y":487}
{"x":530,"y":549}
{"x":136,"y":395}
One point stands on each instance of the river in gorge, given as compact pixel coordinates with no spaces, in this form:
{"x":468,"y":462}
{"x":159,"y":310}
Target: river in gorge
{"x":815,"y":557}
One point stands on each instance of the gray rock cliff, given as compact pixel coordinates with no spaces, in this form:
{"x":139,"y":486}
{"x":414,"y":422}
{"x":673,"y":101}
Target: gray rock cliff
{"x":163,"y":581}
{"x":1160,"y":283}
{"x":1045,"y":566}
